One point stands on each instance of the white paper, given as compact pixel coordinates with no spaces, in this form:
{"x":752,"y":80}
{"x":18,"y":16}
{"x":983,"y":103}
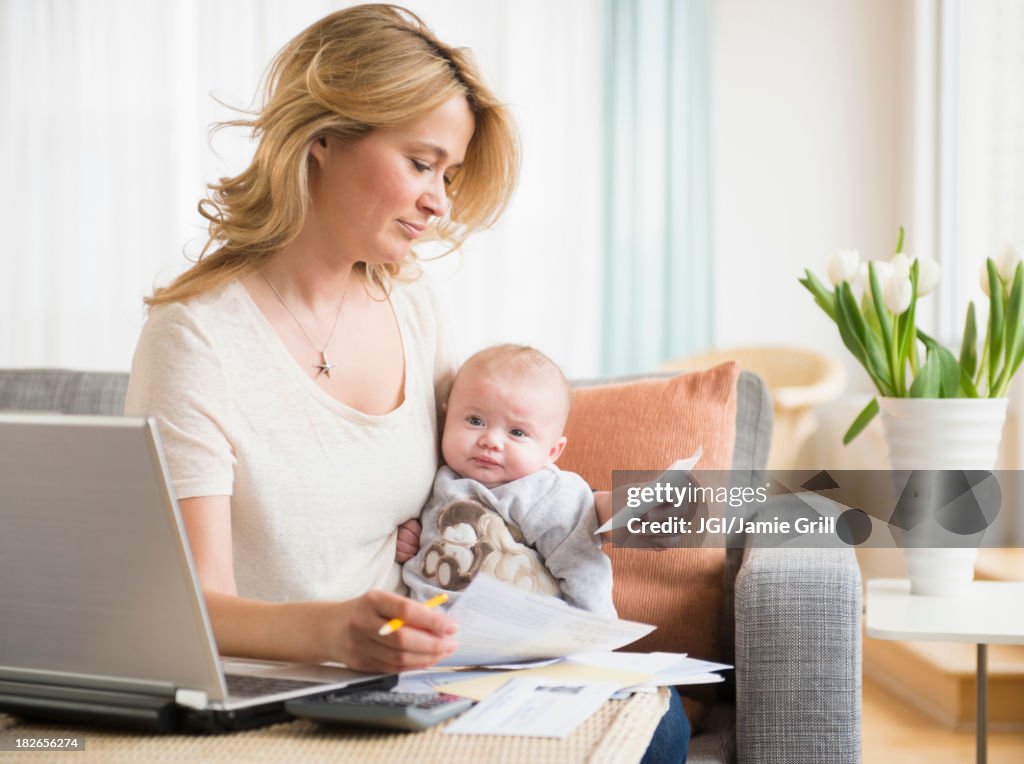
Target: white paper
{"x":500,"y":624}
{"x":624,"y":515}
{"x":432,"y":681}
{"x":532,"y":707}
{"x":520,"y":665}
{"x":700,"y":679}
{"x":688,"y":671}
{"x":646,"y":663}
{"x":697,"y":666}
{"x":678,"y":681}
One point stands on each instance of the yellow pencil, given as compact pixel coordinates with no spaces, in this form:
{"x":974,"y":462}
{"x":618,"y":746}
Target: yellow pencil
{"x":396,"y":623}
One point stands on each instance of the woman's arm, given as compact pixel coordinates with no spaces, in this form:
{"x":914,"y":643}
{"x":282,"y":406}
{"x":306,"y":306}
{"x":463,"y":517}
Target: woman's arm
{"x":310,"y":632}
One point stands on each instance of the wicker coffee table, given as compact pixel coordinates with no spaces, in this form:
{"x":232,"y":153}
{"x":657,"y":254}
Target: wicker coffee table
{"x":619,"y":732}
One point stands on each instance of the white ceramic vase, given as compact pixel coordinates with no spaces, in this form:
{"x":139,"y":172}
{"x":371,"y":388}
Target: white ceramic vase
{"x":942,"y":434}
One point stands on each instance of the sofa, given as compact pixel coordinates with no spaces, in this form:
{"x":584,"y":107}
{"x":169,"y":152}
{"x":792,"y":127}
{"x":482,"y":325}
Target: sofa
{"x":791,"y":620}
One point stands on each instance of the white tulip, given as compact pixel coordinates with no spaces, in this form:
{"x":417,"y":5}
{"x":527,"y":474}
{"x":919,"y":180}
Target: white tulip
{"x":842,"y":266}
{"x":928,"y":272}
{"x":1007,"y":262}
{"x":883,"y":270}
{"x":863,"y":277}
{"x":900,"y":266}
{"x":983,"y":279}
{"x":898,"y":293}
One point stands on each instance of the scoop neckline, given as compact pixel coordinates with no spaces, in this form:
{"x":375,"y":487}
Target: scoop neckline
{"x":294,"y":370}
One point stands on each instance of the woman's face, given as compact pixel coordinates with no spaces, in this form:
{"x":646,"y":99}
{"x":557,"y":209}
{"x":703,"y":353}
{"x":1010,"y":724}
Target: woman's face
{"x":372,"y":199}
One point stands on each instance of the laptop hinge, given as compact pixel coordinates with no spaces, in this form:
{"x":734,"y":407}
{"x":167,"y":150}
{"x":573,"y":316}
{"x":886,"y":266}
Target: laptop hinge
{"x":196,"y":699}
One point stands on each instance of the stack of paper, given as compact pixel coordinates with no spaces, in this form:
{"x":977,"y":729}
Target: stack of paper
{"x":667,"y":669}
{"x":479,"y":687}
{"x":628,"y":672}
{"x":504,"y":627}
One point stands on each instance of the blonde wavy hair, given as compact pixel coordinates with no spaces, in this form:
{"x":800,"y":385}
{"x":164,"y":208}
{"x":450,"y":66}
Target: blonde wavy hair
{"x":354,"y":71}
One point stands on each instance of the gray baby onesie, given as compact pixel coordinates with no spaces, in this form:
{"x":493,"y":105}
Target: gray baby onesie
{"x":536,"y":533}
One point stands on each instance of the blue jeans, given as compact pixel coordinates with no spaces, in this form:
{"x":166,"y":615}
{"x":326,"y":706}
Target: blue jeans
{"x":672,"y":737}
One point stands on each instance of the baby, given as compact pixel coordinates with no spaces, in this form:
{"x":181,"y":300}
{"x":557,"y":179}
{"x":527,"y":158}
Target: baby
{"x":500,"y":505}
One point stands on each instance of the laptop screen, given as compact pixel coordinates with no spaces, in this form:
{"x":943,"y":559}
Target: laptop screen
{"x":96,"y":580}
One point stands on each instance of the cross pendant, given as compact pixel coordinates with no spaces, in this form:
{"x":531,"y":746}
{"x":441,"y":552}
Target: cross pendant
{"x":325,"y":366}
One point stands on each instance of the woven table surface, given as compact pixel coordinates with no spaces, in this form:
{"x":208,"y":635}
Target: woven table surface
{"x":618,"y":732}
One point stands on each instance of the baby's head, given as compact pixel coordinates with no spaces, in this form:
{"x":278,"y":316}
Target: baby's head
{"x":505,"y":415}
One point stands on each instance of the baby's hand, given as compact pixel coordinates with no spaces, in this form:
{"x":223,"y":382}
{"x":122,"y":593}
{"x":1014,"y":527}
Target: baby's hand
{"x":408,"y":540}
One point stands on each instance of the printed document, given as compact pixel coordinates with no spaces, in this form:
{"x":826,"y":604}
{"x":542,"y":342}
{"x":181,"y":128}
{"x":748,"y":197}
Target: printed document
{"x":499,"y":623}
{"x":533,"y":708}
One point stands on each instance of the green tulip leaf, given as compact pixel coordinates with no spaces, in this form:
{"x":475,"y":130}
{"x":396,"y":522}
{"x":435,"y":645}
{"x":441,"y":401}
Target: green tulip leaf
{"x":907,"y":331}
{"x":949,"y":367}
{"x":867,"y":309}
{"x":967,"y":384}
{"x":876,"y":363}
{"x":949,"y":373}
{"x":996,"y":322}
{"x":928,"y":382}
{"x":881,"y":312}
{"x":844,"y":296}
{"x":1014,"y":309}
{"x":1017,"y":359}
{"x":899,"y":242}
{"x":848,"y":334}
{"x":825,"y":299}
{"x":863,"y":418}
{"x":969,"y":345}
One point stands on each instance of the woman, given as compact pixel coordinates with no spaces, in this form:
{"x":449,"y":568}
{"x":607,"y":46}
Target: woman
{"x":293,"y":369}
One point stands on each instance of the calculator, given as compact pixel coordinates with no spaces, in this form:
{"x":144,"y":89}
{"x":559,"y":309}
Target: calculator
{"x":380,"y":708}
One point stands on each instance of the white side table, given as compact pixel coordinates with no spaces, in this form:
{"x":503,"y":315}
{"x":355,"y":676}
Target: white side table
{"x":992,"y":612}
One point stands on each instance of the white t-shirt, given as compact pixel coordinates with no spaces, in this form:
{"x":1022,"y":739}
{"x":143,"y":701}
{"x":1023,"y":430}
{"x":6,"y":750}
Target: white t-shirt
{"x":317,"y":488}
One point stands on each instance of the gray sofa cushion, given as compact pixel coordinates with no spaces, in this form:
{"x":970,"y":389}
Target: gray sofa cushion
{"x":70,"y":392}
{"x":753,"y":423}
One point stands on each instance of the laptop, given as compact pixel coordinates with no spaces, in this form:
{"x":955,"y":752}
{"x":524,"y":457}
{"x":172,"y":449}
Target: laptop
{"x":103,"y":619}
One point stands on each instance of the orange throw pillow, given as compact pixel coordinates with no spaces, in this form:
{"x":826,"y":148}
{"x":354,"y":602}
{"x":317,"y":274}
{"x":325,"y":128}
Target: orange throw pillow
{"x":647,"y":425}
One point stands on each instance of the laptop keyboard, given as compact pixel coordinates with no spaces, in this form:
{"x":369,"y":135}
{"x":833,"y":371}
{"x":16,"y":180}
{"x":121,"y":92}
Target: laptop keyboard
{"x":248,"y":686}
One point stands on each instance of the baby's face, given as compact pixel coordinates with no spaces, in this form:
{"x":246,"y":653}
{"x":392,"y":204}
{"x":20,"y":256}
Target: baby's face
{"x":499,"y":430}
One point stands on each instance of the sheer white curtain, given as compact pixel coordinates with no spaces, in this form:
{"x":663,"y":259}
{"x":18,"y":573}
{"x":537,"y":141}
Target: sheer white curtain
{"x":658,"y":290}
{"x":989,"y":161}
{"x":990,"y":154}
{"x":104,"y":111}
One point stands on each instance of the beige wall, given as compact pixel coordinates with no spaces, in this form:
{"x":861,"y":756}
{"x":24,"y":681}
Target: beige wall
{"x":811,"y":153}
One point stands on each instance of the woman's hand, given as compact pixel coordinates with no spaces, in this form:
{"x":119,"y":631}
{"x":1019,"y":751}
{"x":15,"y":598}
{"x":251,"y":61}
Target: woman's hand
{"x":354,"y":638}
{"x":408,"y":540}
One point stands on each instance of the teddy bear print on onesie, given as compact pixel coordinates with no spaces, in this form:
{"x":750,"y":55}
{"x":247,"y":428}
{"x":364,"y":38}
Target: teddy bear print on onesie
{"x":535,"y":533}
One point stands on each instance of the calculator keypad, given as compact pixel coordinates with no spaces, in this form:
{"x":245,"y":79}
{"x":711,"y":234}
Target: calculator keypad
{"x":393,"y":699}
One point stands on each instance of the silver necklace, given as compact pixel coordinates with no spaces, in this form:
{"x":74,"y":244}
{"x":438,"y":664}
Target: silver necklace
{"x":325,"y":366}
